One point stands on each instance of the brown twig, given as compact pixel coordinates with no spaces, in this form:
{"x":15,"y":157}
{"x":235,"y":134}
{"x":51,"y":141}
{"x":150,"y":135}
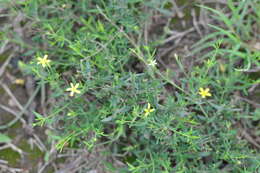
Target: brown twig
{"x":19,"y":115}
{"x":249,"y":101}
{"x":8,"y":91}
{"x":3,"y":67}
{"x":177,"y":9}
{"x":195,"y":23}
{"x":249,"y":138}
{"x":252,"y":70}
{"x":12,"y":170}
{"x":253,"y":87}
{"x":30,"y":88}
{"x":7,"y":109}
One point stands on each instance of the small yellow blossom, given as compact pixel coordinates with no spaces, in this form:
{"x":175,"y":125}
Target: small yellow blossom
{"x":73,"y":89}
{"x":19,"y":81}
{"x":152,"y":63}
{"x":44,"y":61}
{"x":72,"y":114}
{"x":204,"y":92}
{"x":148,"y":110}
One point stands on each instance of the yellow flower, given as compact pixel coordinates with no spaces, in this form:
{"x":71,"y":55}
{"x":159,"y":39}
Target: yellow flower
{"x":204,"y":92}
{"x":44,"y":61}
{"x":72,"y":114}
{"x":19,"y":81}
{"x":73,"y":89}
{"x":152,"y":63}
{"x":148,"y":110}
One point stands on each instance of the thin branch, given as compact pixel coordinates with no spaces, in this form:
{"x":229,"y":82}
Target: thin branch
{"x":3,"y":67}
{"x":8,"y":91}
{"x":22,"y":112}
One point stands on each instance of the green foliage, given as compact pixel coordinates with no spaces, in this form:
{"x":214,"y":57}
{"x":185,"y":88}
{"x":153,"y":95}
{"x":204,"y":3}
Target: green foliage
{"x":98,"y":44}
{"x":4,"y":138}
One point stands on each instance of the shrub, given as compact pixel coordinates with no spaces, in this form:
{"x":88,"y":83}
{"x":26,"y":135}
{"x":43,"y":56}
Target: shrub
{"x":108,"y":90}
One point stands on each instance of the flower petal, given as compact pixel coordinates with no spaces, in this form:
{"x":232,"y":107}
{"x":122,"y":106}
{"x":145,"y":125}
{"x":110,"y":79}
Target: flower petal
{"x":77,"y":91}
